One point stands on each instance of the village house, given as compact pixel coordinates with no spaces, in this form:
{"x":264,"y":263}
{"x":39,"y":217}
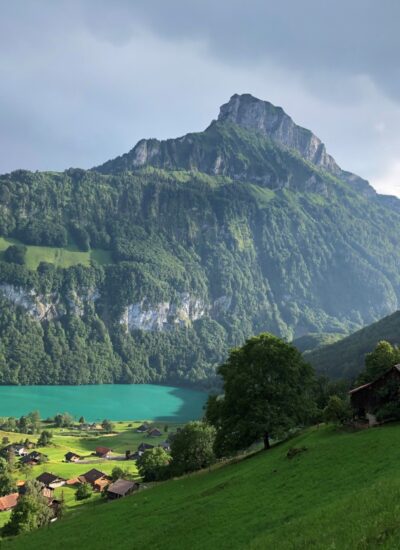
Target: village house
{"x":367,"y":398}
{"x":34,"y":458}
{"x":121,"y":488}
{"x":8,"y":502}
{"x":166,"y":446}
{"x":143,"y":428}
{"x":50,"y":480}
{"x":145,"y":447}
{"x":98,"y":480}
{"x":103,"y":452}
{"x":18,"y":449}
{"x":155,"y":432}
{"x":72,"y":457}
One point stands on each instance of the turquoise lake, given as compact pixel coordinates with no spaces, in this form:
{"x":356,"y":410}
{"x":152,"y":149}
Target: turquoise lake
{"x":115,"y":402}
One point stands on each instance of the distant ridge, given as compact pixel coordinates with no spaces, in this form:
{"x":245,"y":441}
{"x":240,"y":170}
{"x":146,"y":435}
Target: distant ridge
{"x":345,"y":358}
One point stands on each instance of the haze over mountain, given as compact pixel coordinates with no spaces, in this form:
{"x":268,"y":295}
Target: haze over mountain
{"x":201,"y":241}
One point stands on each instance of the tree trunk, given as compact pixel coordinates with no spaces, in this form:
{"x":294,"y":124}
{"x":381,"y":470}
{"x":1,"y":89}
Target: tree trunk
{"x":266,"y":441}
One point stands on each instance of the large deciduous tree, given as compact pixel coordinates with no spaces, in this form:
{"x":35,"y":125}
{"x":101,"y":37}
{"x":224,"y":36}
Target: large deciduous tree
{"x":267,"y":390}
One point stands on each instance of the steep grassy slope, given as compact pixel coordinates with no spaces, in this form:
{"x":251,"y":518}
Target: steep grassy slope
{"x":345,"y":358}
{"x":340,"y":493}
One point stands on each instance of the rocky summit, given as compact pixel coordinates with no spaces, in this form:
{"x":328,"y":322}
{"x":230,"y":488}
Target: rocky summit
{"x":180,"y":249}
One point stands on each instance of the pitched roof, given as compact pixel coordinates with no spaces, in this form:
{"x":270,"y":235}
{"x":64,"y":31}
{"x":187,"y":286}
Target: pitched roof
{"x":8,"y":502}
{"x":92,"y":475}
{"x":145,"y":447}
{"x":70,"y":455}
{"x":46,"y":478}
{"x":155,"y":431}
{"x":364,"y":386}
{"x":121,"y":487}
{"x":102,"y":483}
{"x":103,"y":450}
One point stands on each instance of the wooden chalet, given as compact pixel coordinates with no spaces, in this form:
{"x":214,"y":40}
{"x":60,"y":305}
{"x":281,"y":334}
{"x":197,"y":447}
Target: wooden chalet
{"x":14,"y":448}
{"x":103,"y":452}
{"x":121,"y":488}
{"x":50,"y":480}
{"x":155,"y":432}
{"x":34,"y":458}
{"x":97,"y":479}
{"x":145,"y":447}
{"x":71,"y":457}
{"x":367,"y":398}
{"x":143,"y":428}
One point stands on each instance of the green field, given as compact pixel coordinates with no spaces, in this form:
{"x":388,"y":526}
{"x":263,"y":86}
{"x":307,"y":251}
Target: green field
{"x":343,"y":492}
{"x":60,"y":257}
{"x":123,"y":438}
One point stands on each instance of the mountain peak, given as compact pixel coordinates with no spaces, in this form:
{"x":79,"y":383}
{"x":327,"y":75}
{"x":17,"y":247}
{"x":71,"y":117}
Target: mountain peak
{"x":272,"y":122}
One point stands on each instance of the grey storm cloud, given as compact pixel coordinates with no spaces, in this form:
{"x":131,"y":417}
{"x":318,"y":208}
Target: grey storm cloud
{"x":83,"y":80}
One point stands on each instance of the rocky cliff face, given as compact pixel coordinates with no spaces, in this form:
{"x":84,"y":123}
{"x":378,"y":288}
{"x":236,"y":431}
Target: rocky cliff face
{"x":273,"y":123}
{"x":202,"y":151}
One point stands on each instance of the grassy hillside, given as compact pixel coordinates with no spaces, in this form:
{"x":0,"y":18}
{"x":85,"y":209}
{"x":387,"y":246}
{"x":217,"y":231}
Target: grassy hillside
{"x":60,"y":257}
{"x":342,"y":492}
{"x":345,"y":358}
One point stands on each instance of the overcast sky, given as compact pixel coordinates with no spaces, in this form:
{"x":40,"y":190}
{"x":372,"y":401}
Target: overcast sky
{"x":81,"y":81}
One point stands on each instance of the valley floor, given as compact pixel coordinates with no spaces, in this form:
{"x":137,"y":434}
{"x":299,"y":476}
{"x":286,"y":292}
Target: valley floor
{"x":342,"y":492}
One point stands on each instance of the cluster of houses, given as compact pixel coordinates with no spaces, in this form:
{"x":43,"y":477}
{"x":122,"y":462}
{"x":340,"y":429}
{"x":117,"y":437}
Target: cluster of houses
{"x":99,"y":481}
{"x":24,"y":453}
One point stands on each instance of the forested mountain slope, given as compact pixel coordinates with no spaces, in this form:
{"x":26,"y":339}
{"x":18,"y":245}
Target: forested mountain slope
{"x":246,"y":227}
{"x":346,"y":358}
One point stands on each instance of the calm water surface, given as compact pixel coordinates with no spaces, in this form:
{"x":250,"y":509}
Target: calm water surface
{"x":115,"y":402}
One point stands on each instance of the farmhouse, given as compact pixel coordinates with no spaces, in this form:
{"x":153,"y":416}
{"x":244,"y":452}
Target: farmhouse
{"x":16,"y":448}
{"x":34,"y":458}
{"x":145,"y":447}
{"x":121,"y":488}
{"x":71,"y":457}
{"x":155,"y":432}
{"x":103,"y":452}
{"x":143,"y":428}
{"x":50,"y":480}
{"x":366,"y":399}
{"x":8,"y":502}
{"x":98,"y":480}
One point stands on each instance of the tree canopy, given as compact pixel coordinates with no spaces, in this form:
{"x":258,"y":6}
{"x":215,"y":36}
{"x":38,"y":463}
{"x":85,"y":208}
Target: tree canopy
{"x":267,"y":389}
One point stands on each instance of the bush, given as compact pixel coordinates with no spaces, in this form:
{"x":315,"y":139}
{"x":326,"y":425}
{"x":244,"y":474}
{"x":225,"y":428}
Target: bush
{"x":83,"y":492}
{"x":15,"y":254}
{"x":153,"y":465}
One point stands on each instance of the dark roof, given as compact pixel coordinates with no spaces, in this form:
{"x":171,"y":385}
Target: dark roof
{"x":122,"y":487}
{"x":155,"y":431}
{"x":143,"y":427}
{"x":364,"y":386}
{"x":92,"y":475}
{"x":145,"y":447}
{"x":46,"y":478}
{"x":33,"y":456}
{"x":70,"y":455}
{"x":103,"y":450}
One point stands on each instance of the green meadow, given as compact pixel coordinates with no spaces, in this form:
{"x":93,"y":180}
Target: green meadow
{"x":342,"y":492}
{"x":123,"y":438}
{"x":60,"y":257}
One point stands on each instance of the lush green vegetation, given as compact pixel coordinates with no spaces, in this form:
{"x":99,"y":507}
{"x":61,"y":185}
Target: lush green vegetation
{"x":271,"y":243}
{"x":60,"y":257}
{"x":341,"y":491}
{"x":346,"y":358}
